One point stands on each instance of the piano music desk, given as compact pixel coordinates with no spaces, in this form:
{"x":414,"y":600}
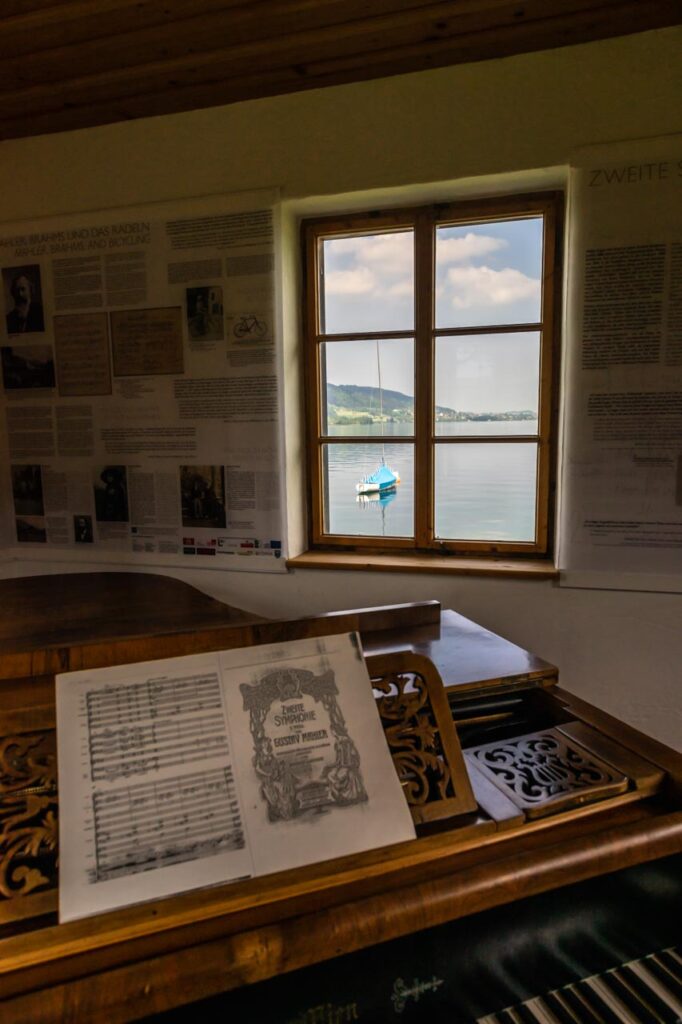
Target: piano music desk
{"x":145,"y":959}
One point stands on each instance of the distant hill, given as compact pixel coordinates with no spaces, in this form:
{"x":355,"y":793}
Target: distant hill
{"x":354,"y":403}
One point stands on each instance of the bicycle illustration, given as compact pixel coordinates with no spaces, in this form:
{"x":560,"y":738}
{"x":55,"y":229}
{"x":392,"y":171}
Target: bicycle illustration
{"x":249,"y":326}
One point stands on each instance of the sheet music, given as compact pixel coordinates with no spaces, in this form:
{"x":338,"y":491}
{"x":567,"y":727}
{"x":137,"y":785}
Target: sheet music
{"x":160,"y":723}
{"x":209,"y":768}
{"x":316,"y":775}
{"x":147,"y":783}
{"x":154,"y":824}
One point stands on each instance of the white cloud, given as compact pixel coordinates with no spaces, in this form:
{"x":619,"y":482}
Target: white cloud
{"x":391,"y":253}
{"x":402,"y":288}
{"x":467,"y":247}
{"x":350,"y":282}
{"x":341,"y":246}
{"x":481,"y":286}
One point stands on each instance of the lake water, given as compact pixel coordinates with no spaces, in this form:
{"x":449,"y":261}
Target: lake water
{"x":483,"y":491}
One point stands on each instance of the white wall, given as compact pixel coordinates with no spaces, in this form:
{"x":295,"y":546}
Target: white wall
{"x":513,"y":116}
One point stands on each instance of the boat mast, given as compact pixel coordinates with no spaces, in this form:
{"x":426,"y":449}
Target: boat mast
{"x":381,"y":405}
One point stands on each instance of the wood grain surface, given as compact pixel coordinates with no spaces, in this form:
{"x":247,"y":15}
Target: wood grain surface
{"x":147,"y":958}
{"x":72,"y":63}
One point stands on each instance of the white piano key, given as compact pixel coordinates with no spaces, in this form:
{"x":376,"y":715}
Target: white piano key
{"x":612,"y":1001}
{"x":673,"y":952}
{"x":568,"y":1015}
{"x":542,"y":1012}
{"x":515,"y":1016}
{"x":665,"y":970}
{"x":623,"y":990}
{"x":649,"y":979}
{"x":579,"y":1005}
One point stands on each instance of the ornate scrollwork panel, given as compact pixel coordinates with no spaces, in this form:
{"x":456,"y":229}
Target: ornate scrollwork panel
{"x":28,"y":814}
{"x":544,"y":771}
{"x":413,"y":737}
{"x":421,"y":736}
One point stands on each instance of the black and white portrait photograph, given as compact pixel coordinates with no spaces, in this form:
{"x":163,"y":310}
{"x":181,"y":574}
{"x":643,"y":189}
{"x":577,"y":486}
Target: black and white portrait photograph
{"x":27,"y":490}
{"x":205,"y":313}
{"x":111,"y":494}
{"x":203,"y":496}
{"x":23,"y":300}
{"x":82,"y":530}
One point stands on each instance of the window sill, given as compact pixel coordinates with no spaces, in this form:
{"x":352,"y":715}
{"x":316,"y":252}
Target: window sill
{"x":527,"y":568}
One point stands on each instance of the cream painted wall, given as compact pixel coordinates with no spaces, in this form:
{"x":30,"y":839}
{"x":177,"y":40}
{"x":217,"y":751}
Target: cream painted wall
{"x":621,"y":650}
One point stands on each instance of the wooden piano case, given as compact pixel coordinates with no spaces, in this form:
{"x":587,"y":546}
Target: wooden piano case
{"x":149,"y":958}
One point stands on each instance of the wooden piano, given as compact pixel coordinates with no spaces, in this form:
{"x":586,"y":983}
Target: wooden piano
{"x":450,"y":926}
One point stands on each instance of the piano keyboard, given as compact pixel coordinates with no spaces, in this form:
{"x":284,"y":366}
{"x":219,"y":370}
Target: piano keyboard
{"x":646,"y":991}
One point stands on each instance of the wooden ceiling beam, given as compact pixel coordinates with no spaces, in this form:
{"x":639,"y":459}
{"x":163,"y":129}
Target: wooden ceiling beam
{"x":53,"y":23}
{"x":15,"y":8}
{"x":439,"y":27}
{"x":188,"y":36}
{"x":333,"y":58}
{"x":118,"y":24}
{"x":626,"y":18}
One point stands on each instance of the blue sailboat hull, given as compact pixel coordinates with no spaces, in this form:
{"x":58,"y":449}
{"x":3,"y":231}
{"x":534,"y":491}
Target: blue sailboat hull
{"x":383,"y":479}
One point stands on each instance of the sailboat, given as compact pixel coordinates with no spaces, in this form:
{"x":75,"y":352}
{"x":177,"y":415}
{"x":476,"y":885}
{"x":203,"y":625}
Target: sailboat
{"x":384,"y":479}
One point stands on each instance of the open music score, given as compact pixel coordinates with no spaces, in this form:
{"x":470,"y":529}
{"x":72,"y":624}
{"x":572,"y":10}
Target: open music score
{"x":145,"y":757}
{"x":154,"y":824}
{"x":156,"y":724}
{"x":147,"y":727}
{"x":209,"y":768}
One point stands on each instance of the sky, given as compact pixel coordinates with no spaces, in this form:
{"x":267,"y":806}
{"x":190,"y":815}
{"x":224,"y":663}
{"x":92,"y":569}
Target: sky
{"x":486,"y":274}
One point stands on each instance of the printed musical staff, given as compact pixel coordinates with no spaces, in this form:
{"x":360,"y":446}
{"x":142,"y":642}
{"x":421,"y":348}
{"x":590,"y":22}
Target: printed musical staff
{"x":155,"y":824}
{"x":166,"y":794}
{"x":157,"y":724}
{"x":154,"y":698}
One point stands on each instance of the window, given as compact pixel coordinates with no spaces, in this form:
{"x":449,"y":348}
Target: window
{"x":429,"y":376}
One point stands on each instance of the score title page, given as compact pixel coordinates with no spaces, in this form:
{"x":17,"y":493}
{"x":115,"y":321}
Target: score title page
{"x":197,"y":770}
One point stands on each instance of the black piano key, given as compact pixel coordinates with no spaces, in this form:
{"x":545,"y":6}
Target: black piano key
{"x":555,"y":1006}
{"x":526,"y":1015}
{"x":642,"y":967}
{"x":671,"y":958}
{"x":584,"y":1013}
{"x":628,"y":998}
{"x":617,"y":1005}
{"x":595,"y":1000}
{"x":505,"y":1017}
{"x":542,"y":1014}
{"x":667,"y":978}
{"x":651,"y":998}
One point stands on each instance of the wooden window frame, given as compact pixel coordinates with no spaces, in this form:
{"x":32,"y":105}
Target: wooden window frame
{"x":423,"y":221}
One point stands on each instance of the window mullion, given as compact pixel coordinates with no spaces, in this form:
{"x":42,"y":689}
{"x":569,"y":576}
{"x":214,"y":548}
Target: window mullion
{"x":547,"y":423}
{"x":424,"y":382}
{"x":313,"y":299}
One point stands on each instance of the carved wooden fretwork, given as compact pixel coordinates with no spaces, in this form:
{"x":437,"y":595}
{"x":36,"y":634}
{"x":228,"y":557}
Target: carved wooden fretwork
{"x":421,"y":736}
{"x":28,"y":814}
{"x":543,"y":772}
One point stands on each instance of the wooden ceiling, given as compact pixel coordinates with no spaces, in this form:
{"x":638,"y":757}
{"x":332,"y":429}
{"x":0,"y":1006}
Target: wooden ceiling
{"x":74,"y":63}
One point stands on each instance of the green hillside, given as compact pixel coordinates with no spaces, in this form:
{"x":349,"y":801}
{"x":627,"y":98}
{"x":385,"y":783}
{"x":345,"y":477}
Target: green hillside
{"x":354,"y":403}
